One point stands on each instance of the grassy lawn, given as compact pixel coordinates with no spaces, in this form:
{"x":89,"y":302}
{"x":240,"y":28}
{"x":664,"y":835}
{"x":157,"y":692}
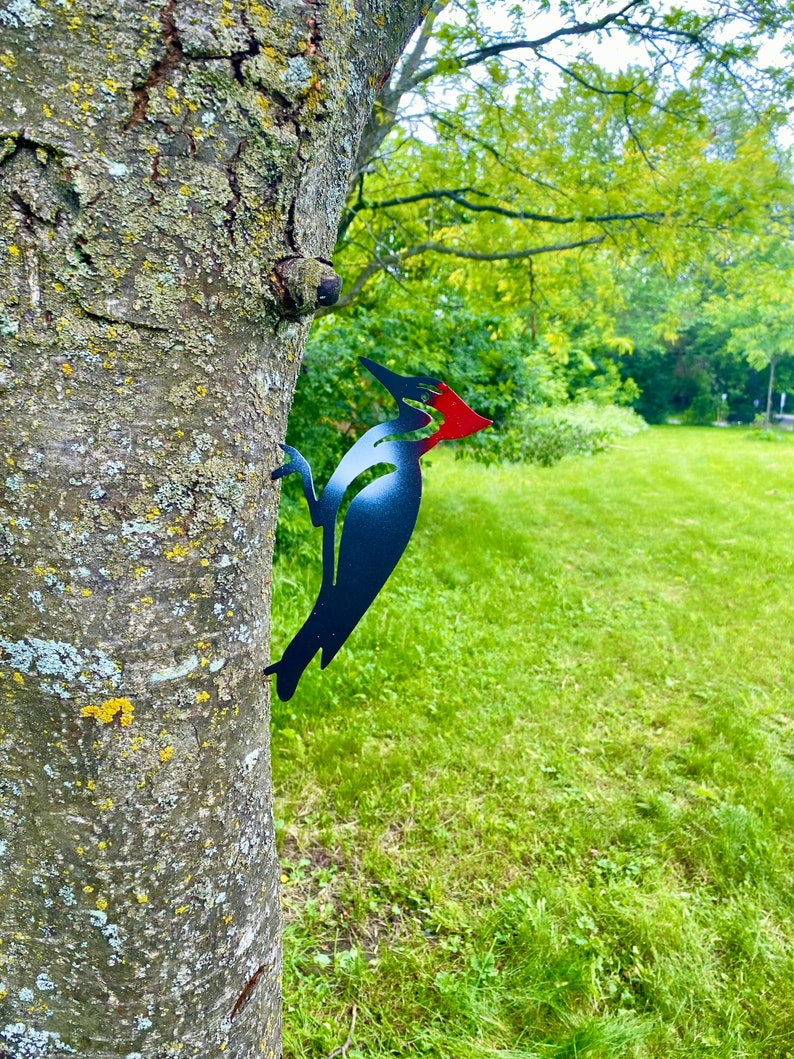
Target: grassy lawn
{"x":542,"y":805}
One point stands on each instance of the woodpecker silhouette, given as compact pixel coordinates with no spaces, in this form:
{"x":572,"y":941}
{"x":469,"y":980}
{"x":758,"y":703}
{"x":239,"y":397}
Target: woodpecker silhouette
{"x":380,"y":518}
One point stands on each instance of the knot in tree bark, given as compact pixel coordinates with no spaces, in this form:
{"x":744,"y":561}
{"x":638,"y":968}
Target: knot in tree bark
{"x":302,"y":284}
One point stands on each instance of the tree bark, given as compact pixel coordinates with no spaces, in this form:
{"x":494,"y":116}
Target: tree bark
{"x":171,"y":179}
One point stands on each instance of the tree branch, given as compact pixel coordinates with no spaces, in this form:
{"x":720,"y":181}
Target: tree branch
{"x":497,"y":255}
{"x":456,"y":196}
{"x":472,"y":58}
{"x":386,"y":262}
{"x":409,"y":67}
{"x":358,"y":207}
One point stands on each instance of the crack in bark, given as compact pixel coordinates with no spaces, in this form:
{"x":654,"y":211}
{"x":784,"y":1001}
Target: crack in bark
{"x":289,"y":229}
{"x":238,"y":58}
{"x":29,"y":217}
{"x":160,"y":70}
{"x":231,"y":204}
{"x":62,"y":198}
{"x":107,"y":318}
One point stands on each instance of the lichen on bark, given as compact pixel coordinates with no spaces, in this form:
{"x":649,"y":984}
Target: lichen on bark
{"x":157,"y":163}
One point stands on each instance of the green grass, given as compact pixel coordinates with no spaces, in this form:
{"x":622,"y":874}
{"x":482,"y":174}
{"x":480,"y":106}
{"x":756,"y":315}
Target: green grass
{"x":542,"y":804}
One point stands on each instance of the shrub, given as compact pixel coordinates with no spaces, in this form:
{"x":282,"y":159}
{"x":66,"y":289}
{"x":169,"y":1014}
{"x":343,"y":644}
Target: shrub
{"x":545,"y":434}
{"x":702,"y":411}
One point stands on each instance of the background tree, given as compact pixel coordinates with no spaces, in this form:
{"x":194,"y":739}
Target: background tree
{"x":439,"y":281}
{"x":486,"y":121}
{"x":510,"y":191}
{"x":754,"y":303}
{"x":170,"y":187}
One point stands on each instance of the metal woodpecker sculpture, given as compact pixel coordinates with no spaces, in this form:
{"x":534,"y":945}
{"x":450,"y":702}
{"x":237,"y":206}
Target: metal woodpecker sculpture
{"x":380,"y":518}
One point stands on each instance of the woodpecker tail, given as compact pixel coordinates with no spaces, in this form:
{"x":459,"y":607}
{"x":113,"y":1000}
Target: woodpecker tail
{"x":298,"y":654}
{"x":285,"y":684}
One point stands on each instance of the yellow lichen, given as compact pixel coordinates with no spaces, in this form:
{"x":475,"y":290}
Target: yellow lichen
{"x":202,"y":696}
{"x":107,"y":804}
{"x":101,"y":904}
{"x":179,"y":551}
{"x":141,"y":898}
{"x":166,"y":753}
{"x":260,"y":12}
{"x":18,"y":678}
{"x":8,"y":60}
{"x":182,"y":908}
{"x":108,"y":710}
{"x":14,"y":250}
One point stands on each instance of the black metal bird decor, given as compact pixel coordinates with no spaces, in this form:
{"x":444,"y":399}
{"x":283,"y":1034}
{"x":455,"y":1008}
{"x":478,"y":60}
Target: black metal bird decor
{"x":380,"y":518}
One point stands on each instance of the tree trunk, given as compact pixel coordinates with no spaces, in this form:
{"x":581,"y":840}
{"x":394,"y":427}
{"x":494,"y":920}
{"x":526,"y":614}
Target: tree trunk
{"x":170,"y":183}
{"x":769,"y":392}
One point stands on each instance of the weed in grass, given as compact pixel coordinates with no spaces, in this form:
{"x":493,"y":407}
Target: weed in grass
{"x":542,"y":805}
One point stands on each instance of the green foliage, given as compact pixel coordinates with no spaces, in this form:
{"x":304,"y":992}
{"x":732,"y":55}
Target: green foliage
{"x":536,"y":241}
{"x":753,"y":298}
{"x":483,"y":355}
{"x":598,"y":323}
{"x":545,"y":435}
{"x":448,"y":244}
{"x":542,"y":804}
{"x":702,"y":410}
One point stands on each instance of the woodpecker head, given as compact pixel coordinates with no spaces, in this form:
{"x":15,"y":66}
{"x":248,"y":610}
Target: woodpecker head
{"x":402,"y":387}
{"x":459,"y":419}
